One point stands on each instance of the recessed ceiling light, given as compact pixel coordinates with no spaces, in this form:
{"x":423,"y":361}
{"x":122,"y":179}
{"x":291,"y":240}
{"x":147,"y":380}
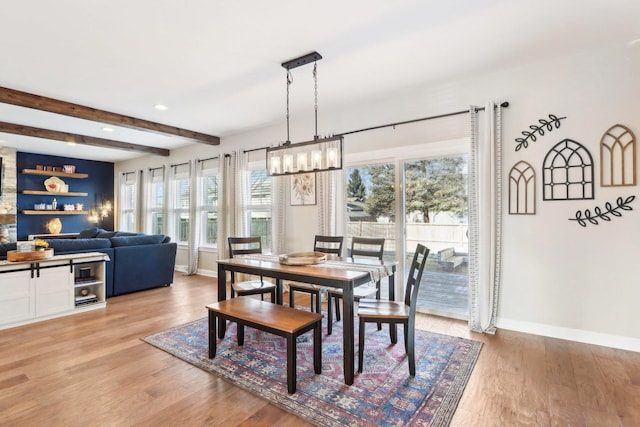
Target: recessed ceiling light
{"x":71,"y":143}
{"x":160,"y":107}
{"x":107,"y":129}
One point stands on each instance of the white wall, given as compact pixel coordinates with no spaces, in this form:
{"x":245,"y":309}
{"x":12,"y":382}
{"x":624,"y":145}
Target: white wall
{"x":559,"y":279}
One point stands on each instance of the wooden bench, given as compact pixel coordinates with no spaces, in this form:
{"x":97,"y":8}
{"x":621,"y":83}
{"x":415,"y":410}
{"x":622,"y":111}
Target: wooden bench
{"x":273,"y":318}
{"x":448,"y":259}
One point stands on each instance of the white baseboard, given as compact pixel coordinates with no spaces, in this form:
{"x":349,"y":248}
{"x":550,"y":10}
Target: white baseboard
{"x":208,"y":273}
{"x":579,"y":335}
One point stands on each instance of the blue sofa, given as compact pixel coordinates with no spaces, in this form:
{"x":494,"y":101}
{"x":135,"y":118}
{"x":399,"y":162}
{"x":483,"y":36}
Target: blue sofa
{"x":137,"y":261}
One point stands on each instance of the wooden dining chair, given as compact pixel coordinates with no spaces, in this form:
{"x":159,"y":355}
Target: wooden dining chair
{"x":246,"y":246}
{"x":396,"y":312}
{"x":360,"y":247}
{"x":324,"y":244}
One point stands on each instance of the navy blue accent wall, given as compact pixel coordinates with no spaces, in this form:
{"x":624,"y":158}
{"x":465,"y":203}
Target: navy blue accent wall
{"x":99,"y":186}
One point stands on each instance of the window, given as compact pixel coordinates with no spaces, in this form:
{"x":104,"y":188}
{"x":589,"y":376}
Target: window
{"x":258,"y":208}
{"x":207,"y":207}
{"x":128,"y":201}
{"x":155,"y":201}
{"x":180,"y":189}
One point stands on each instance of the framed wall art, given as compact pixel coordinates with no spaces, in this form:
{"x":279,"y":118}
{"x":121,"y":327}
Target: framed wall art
{"x":303,"y":189}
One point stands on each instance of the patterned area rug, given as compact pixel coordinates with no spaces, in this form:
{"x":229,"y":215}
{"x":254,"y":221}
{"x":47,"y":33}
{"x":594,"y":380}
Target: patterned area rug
{"x":383,"y":395}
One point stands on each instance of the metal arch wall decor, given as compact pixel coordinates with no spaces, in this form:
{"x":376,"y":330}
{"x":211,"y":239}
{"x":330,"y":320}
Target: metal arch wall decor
{"x":568,"y":172}
{"x":522,"y":189}
{"x":549,"y":125}
{"x":605,"y":215}
{"x":618,"y":157}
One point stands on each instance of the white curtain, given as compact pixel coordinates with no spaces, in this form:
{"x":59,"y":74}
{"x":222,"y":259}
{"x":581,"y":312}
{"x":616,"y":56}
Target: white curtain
{"x":327,"y":198}
{"x":243,"y":178}
{"x":226,"y":204}
{"x":195,"y":220}
{"x":278,"y":214}
{"x":485,"y":218}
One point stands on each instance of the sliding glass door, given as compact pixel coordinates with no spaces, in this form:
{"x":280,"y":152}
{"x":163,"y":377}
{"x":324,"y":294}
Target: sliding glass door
{"x":418,"y":200}
{"x":435,"y":214}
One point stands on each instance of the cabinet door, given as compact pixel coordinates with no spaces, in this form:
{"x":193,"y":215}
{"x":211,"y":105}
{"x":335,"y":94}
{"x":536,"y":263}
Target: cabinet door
{"x":17,"y":299}
{"x":54,"y":291}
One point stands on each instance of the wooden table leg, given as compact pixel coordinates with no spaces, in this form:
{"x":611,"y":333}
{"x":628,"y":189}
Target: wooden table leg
{"x":317,"y":348}
{"x":222,"y":295}
{"x":393,"y":328}
{"x":348,"y":332}
{"x":212,"y":335}
{"x":279,"y":291}
{"x":291,"y":363}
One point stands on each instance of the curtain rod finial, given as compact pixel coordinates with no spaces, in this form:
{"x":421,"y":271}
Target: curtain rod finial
{"x":505,"y":104}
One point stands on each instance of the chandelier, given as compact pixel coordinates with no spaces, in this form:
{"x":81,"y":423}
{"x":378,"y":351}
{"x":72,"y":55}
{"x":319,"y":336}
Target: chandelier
{"x":316,"y":155}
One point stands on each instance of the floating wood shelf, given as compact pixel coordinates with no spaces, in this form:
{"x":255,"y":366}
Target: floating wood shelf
{"x":52,"y":173}
{"x":48,"y":193}
{"x":52,"y":212}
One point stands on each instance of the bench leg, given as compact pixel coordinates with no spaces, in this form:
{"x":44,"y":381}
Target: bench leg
{"x":291,"y":363}
{"x":240,"y":333}
{"x":212,"y":335}
{"x":317,"y":348}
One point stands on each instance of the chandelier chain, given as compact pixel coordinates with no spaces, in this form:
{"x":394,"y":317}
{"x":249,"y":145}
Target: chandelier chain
{"x":289,"y":81}
{"x":315,"y":88}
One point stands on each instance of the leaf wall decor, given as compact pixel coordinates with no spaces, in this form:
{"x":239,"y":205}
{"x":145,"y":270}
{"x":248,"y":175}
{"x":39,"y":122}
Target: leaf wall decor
{"x":610,"y":210}
{"x":549,"y":125}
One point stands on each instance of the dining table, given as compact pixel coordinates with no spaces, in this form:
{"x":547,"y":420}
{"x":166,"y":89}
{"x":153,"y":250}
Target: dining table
{"x":337,"y":272}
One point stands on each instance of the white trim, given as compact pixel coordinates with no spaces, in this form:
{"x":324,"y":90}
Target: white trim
{"x":207,"y":273}
{"x":578,"y":335}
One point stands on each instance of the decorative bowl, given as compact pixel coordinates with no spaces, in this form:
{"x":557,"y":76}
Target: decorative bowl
{"x":302,"y":258}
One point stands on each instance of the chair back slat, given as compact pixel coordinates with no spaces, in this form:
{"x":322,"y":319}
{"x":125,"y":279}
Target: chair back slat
{"x":367,"y":247}
{"x":328,"y":244}
{"x":244,"y":245}
{"x":415,"y":276}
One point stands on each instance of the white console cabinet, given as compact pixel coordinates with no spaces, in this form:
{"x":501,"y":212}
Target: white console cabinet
{"x":31,"y":291}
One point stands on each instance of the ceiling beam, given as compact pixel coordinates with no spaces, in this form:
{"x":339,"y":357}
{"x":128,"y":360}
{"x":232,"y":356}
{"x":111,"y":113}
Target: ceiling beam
{"x":78,"y":139}
{"x":28,"y":100}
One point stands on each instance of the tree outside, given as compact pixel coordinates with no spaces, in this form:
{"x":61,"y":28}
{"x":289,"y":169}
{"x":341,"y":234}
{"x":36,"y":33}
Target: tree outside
{"x":432,"y":186}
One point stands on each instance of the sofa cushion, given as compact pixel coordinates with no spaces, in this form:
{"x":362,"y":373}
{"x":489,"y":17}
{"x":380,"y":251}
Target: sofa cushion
{"x":146,"y":239}
{"x":126,"y":233}
{"x":166,"y":239}
{"x":88,"y":234}
{"x":104,"y":234}
{"x":74,"y":245}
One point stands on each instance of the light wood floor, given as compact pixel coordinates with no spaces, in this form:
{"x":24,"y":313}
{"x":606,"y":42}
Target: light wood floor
{"x":93,"y":370}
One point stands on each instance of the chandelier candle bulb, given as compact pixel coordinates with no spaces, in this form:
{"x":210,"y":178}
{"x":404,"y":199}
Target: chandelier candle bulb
{"x":275,"y":164}
{"x":302,"y":161}
{"x":316,"y":159}
{"x":287,"y":159}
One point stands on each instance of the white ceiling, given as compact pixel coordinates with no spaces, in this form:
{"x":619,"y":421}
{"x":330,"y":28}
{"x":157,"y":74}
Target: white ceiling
{"x":216,"y":64}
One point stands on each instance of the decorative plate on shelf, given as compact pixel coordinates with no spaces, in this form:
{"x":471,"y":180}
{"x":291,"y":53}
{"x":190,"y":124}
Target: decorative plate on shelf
{"x":53,"y":184}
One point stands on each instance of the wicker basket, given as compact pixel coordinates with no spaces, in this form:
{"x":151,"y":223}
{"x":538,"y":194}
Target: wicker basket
{"x":302,"y":258}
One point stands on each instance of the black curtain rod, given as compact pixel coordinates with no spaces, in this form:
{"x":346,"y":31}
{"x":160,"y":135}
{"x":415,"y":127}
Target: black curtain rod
{"x":209,"y":158}
{"x":439,"y":116}
{"x":504,"y":104}
{"x":254,"y":149}
{"x":178,"y":164}
{"x":155,"y":169}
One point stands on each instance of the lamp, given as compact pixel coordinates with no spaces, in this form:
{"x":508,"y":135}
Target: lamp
{"x":100,"y":212}
{"x":317,"y":155}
